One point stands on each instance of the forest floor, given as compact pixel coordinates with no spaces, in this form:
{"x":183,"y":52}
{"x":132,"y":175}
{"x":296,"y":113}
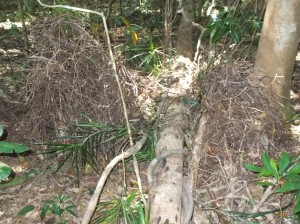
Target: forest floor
{"x":58,"y":91}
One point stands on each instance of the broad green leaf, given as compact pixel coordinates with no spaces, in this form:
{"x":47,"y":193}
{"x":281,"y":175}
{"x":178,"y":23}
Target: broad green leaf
{"x":297,"y":208}
{"x":5,"y":171}
{"x":44,"y":209}
{"x":274,"y":165}
{"x":288,"y":187}
{"x":221,"y":30}
{"x":268,"y":164}
{"x":298,"y":197}
{"x":70,"y":209}
{"x":235,"y":36}
{"x":295,"y":169}
{"x":25,"y":210}
{"x":264,"y":173}
{"x":57,"y":209}
{"x":9,"y":147}
{"x":253,"y":168}
{"x":292,"y":177}
{"x":284,"y":162}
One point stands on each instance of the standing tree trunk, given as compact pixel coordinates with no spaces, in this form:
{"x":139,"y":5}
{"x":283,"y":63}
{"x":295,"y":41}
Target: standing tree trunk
{"x":168,"y":27}
{"x":184,"y":42}
{"x":277,"y":50}
{"x":24,"y":29}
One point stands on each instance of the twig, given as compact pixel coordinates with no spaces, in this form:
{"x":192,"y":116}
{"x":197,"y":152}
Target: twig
{"x":266,"y":195}
{"x":94,"y":200}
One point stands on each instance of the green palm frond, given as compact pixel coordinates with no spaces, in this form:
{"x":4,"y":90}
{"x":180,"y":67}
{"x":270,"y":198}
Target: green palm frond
{"x":126,"y":209}
{"x":87,"y":144}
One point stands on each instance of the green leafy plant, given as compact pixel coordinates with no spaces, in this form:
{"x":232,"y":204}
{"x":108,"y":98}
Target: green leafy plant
{"x":5,"y":171}
{"x":149,"y":153}
{"x":283,"y":175}
{"x":232,"y":22}
{"x":86,"y":145}
{"x":15,"y":32}
{"x":25,"y":210}
{"x":145,"y":55}
{"x":129,"y":209}
{"x":294,"y":117}
{"x":8,"y":148}
{"x":60,"y":206}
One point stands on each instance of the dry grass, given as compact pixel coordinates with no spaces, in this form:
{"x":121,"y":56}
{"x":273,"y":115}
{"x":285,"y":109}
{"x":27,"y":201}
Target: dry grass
{"x":241,"y":123}
{"x":70,"y":79}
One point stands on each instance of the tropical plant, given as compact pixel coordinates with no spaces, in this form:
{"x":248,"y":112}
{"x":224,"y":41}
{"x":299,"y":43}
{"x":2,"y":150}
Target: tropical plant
{"x":149,"y":153}
{"x":234,"y":22}
{"x":60,"y":206}
{"x":283,"y":175}
{"x":129,"y":209}
{"x":87,"y":145}
{"x":5,"y":171}
{"x":8,"y":148}
{"x":145,"y":55}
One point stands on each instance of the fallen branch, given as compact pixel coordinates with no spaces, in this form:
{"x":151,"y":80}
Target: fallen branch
{"x":94,"y":200}
{"x":266,"y":195}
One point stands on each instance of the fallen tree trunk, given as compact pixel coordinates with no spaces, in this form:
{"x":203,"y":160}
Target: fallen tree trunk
{"x":167,"y":185}
{"x":166,"y":177}
{"x":167,"y":192}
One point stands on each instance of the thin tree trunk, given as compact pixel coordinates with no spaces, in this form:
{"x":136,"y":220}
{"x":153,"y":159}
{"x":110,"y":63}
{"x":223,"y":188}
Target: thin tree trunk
{"x":185,"y":31}
{"x":168,"y":26}
{"x":24,"y":30}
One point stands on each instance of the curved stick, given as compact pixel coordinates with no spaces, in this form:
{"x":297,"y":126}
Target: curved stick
{"x":94,"y":200}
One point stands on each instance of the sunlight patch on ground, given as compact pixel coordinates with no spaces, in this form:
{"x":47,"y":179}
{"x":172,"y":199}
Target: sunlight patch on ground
{"x":7,"y":25}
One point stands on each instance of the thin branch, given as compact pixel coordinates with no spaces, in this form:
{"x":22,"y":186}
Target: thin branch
{"x":266,"y":195}
{"x":94,"y":200}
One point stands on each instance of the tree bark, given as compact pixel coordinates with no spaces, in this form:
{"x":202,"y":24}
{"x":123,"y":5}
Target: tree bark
{"x":275,"y":58}
{"x":168,"y":27}
{"x":166,"y":185}
{"x":24,"y":29}
{"x":185,"y":31}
